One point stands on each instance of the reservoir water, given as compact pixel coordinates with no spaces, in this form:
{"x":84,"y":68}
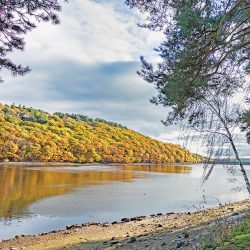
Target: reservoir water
{"x":36,"y":199}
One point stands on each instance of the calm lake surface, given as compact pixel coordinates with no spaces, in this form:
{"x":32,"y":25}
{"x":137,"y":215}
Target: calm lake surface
{"x":38,"y":199}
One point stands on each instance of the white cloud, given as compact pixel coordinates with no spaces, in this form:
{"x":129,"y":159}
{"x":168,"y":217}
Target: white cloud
{"x":90,"y":32}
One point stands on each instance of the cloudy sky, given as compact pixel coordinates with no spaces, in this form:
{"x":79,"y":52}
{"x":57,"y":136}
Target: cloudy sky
{"x":88,"y":64}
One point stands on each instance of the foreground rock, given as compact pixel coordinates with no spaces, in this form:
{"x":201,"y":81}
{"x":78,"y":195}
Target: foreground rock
{"x":160,"y":231}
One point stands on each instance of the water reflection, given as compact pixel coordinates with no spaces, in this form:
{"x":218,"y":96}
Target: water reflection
{"x":159,"y":169}
{"x":38,"y":199}
{"x":20,"y":186}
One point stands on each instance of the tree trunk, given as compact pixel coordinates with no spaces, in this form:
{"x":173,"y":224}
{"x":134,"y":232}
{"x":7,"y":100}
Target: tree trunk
{"x":242,"y":169}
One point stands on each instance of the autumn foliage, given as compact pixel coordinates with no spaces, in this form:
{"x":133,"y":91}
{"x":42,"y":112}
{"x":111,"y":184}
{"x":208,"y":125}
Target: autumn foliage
{"x":28,"y":134}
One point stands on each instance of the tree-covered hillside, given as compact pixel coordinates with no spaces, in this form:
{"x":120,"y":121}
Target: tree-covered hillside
{"x":28,"y":134}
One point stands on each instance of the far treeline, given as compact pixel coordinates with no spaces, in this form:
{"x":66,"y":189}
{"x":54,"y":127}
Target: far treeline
{"x":28,"y":134}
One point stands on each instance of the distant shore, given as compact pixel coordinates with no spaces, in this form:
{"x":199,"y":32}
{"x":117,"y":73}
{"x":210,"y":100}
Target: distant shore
{"x":89,"y":164}
{"x":31,"y":163}
{"x":157,"y":231}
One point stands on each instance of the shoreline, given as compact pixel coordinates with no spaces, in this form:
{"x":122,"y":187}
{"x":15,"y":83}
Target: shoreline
{"x":28,"y":163}
{"x":160,"y":231}
{"x":35,"y":163}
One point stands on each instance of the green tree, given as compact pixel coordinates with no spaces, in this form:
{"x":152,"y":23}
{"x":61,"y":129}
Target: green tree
{"x":205,"y":61}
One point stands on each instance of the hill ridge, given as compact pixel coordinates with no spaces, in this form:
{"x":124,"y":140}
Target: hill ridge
{"x":28,"y":134}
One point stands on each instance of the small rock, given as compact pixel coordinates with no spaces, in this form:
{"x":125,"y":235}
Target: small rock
{"x":133,"y":218}
{"x":93,"y":223}
{"x":163,"y":244}
{"x":159,"y":225}
{"x":114,"y":222}
{"x":113,"y":238}
{"x":72,"y":226}
{"x":235,"y":214}
{"x":159,"y":214}
{"x":125,"y":219}
{"x":132,"y":239}
{"x":13,"y":248}
{"x":180,"y":244}
{"x":114,"y":242}
{"x":170,"y":213}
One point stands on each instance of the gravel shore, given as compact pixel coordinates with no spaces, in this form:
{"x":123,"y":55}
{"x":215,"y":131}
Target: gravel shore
{"x":158,"y":231}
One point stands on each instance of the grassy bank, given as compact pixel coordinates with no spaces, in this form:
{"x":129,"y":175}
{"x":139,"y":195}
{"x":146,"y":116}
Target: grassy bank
{"x":236,"y":237}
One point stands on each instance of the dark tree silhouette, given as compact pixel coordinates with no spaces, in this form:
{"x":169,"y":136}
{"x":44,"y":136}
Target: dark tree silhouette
{"x":17,"y":17}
